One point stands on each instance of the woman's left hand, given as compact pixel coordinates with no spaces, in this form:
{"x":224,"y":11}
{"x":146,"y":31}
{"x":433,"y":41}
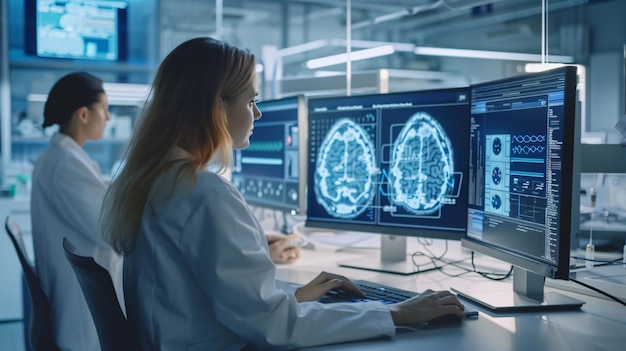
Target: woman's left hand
{"x":280,"y":252}
{"x":325,"y":282}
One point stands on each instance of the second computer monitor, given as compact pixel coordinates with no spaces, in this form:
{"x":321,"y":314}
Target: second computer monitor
{"x":522,"y":205}
{"x":267,"y":173}
{"x":390,"y":163}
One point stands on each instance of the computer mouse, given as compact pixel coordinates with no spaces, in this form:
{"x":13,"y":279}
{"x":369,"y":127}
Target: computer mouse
{"x":453,"y":318}
{"x":446,"y":319}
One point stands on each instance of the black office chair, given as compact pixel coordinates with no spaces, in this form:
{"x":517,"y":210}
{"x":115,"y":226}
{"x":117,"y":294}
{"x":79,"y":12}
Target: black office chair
{"x":39,"y":330}
{"x":113,"y":330}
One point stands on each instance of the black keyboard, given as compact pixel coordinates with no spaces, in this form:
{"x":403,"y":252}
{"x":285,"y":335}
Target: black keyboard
{"x":377,"y":292}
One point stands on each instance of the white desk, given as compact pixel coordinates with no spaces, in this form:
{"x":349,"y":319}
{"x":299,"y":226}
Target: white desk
{"x":599,"y":325}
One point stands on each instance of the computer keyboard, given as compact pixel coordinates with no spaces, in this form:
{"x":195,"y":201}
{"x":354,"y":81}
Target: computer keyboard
{"x":377,"y":292}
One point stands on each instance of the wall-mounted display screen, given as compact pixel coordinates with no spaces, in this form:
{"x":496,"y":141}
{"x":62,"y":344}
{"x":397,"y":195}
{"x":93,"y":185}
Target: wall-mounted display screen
{"x":76,"y":29}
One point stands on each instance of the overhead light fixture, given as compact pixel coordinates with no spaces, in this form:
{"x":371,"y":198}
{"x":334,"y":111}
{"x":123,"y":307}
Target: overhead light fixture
{"x":328,"y":73}
{"x":493,"y":55}
{"x":354,"y":56}
{"x":306,"y":47}
{"x":124,"y":93}
{"x":540,"y":67}
{"x":117,"y":93}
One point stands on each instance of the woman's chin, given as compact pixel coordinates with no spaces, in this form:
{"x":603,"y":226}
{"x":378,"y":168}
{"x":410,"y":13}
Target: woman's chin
{"x":242,"y":145}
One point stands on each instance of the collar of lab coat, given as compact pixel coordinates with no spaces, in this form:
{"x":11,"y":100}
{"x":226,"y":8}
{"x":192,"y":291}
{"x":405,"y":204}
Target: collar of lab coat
{"x":66,"y":142}
{"x":178,"y":153}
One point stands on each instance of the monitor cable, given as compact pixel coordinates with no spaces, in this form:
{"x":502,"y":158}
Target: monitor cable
{"x":492,"y":276}
{"x":436,"y":258}
{"x":591,"y":249}
{"x":597,"y":263}
{"x":599,"y":291}
{"x":439,"y":258}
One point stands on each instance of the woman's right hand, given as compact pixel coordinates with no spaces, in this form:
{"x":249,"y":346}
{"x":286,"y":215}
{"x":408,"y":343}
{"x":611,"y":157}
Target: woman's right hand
{"x":425,"y":307}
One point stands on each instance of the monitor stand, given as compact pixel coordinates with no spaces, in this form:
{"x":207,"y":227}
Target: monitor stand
{"x":285,"y":228}
{"x":393,"y":259}
{"x":287,"y":222}
{"x":527,"y":296}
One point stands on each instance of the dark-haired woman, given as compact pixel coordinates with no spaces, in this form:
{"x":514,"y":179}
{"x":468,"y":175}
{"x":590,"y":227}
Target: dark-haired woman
{"x":67,"y":193}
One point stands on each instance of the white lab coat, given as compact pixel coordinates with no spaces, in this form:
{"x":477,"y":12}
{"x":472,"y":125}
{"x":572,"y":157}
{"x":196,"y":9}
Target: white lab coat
{"x":67,"y":194}
{"x":200,"y":278}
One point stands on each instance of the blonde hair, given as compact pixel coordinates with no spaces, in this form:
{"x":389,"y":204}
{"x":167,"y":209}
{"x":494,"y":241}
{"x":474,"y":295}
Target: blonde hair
{"x":187,"y":110}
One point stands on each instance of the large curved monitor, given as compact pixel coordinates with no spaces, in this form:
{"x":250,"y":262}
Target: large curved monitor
{"x":523,"y":183}
{"x":393,"y":164}
{"x":267,"y":173}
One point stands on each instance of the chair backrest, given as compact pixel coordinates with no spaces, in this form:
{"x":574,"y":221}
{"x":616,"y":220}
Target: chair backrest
{"x":114,"y":332}
{"x":40,"y":331}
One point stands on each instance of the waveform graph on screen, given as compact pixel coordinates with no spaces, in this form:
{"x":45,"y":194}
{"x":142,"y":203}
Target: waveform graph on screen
{"x":528,"y":191}
{"x":267,"y":172}
{"x":264,"y":157}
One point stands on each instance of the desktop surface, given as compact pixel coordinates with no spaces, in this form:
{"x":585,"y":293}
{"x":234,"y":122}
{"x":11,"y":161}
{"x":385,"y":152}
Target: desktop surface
{"x":598,"y":325}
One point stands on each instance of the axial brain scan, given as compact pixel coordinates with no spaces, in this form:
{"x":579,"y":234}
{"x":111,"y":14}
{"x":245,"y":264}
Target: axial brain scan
{"x":422,"y":165}
{"x":345,"y":170}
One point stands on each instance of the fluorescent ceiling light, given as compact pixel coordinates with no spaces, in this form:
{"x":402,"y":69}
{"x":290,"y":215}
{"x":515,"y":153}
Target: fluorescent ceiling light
{"x":37,"y":97}
{"x":493,"y":55}
{"x":117,"y":93}
{"x":124,"y":93}
{"x":355,"y":44}
{"x":354,"y":56}
{"x":328,"y":73}
{"x":540,"y":67}
{"x":302,"y":48}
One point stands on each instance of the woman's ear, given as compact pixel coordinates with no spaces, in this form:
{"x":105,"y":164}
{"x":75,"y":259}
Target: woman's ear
{"x":81,"y":114}
{"x":221,"y":105}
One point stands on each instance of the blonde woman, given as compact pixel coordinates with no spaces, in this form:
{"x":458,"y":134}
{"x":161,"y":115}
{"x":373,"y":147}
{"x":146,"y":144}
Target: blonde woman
{"x":197,"y":269}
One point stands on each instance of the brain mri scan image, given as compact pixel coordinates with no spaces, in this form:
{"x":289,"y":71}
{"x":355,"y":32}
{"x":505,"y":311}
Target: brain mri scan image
{"x":422,"y":166}
{"x":393,"y":163}
{"x":345,"y":170}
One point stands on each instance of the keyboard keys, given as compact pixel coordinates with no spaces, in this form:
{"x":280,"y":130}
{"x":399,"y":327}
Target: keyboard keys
{"x":372,"y":291}
{"x":377,"y":292}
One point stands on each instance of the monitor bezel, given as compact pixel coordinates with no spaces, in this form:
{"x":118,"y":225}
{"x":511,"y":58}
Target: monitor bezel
{"x":444,"y":234}
{"x":567,"y":218}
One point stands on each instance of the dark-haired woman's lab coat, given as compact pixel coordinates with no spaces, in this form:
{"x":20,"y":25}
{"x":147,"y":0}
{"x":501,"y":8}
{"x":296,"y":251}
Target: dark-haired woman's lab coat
{"x":67,"y":193}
